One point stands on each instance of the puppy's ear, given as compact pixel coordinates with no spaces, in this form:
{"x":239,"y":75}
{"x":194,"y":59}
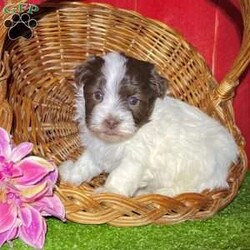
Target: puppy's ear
{"x":158,"y":83}
{"x":91,"y":67}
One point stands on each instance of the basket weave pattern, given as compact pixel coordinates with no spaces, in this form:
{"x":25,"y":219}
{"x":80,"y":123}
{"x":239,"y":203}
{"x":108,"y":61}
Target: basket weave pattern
{"x":39,"y":75}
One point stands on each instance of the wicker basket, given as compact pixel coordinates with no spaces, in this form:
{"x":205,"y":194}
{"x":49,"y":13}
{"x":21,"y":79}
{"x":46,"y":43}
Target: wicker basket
{"x":38,"y":105}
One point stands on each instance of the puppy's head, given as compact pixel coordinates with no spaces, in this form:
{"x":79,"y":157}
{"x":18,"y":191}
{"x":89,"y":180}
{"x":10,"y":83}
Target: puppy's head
{"x":119,"y":93}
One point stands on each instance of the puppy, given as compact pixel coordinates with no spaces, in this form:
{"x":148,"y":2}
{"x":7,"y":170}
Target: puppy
{"x":147,"y":141}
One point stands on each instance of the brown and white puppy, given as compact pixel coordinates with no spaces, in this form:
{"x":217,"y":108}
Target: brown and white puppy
{"x":119,"y":99}
{"x":147,"y":141}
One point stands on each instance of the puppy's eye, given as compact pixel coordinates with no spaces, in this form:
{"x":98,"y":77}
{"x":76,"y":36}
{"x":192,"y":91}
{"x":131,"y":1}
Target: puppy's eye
{"x":133,"y":100}
{"x":98,"y":96}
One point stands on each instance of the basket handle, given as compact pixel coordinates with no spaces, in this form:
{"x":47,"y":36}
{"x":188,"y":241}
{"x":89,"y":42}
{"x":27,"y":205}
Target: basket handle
{"x":226,"y":89}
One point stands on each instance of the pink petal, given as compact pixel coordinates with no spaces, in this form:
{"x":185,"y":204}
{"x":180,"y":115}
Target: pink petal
{"x":8,"y":216}
{"x":20,"y":151}
{"x":25,"y":216}
{"x":34,"y":233}
{"x":41,"y":238}
{"x":33,"y":192}
{"x":5,"y":144}
{"x":4,"y":237}
{"x":51,"y":206}
{"x":16,"y":172}
{"x":8,"y":235}
{"x":51,"y":180}
{"x":53,"y":176}
{"x":34,"y":170}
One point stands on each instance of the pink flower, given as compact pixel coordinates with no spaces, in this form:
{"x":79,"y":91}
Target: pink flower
{"x":26,"y":193}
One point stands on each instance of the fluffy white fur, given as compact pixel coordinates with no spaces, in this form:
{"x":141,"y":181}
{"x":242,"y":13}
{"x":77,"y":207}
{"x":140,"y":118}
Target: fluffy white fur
{"x":180,"y":150}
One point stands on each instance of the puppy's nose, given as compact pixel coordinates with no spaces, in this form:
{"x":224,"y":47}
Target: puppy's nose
{"x":111,"y":123}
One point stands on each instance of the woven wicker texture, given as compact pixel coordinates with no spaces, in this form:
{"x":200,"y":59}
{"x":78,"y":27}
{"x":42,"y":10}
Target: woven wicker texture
{"x":41,"y":96}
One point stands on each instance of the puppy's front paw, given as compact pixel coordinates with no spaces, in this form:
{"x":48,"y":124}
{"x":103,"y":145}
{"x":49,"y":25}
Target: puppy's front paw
{"x":64,"y":170}
{"x":70,"y":172}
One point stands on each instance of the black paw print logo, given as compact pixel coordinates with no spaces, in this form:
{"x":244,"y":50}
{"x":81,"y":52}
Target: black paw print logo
{"x":20,"y":25}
